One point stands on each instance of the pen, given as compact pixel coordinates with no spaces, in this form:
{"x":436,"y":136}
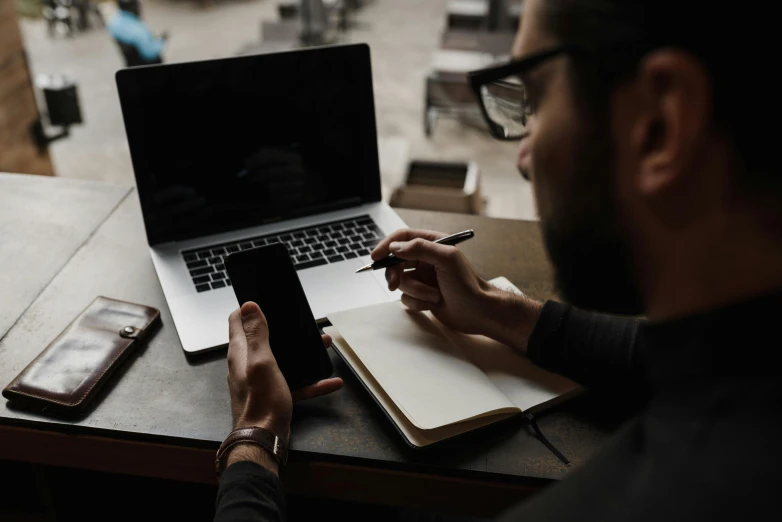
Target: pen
{"x":391,"y":260}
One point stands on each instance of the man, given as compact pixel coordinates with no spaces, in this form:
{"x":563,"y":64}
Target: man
{"x":139,"y":45}
{"x":658,"y":194}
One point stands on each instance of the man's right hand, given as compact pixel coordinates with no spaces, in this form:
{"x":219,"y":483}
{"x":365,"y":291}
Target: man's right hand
{"x":445,"y":283}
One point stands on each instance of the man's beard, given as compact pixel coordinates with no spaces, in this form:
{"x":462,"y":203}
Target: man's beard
{"x":585,"y":239}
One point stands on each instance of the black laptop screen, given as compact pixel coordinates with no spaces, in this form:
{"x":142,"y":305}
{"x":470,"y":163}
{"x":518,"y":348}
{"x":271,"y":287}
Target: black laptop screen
{"x":226,"y":144}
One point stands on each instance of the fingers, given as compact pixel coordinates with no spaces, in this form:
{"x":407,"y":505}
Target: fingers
{"x":254,"y":322}
{"x":393,"y":276}
{"x":256,"y":331}
{"x":405,"y":234}
{"x":416,"y":305}
{"x":414,"y":287}
{"x":318,"y":389}
{"x":237,"y":342}
{"x":326,"y":340}
{"x":419,"y":249}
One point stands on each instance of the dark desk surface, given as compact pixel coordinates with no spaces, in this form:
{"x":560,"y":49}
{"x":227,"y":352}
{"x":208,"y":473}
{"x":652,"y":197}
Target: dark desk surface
{"x":168,"y":402}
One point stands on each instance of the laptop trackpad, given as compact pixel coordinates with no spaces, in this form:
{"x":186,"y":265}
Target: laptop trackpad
{"x":337,"y":287}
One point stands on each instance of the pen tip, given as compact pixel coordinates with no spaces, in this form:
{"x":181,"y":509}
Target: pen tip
{"x":364,"y":269}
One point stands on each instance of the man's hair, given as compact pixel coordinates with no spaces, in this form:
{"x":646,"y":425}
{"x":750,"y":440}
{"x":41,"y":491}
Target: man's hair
{"x":734,"y":43}
{"x":128,"y":5}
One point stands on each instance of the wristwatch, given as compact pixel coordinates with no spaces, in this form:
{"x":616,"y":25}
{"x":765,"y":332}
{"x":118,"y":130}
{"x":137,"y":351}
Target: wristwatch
{"x":258,"y":436}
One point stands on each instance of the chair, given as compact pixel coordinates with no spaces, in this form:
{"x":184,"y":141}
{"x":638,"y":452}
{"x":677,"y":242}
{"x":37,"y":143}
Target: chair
{"x":448,"y":93}
{"x":468,"y":14}
{"x":132,"y":57}
{"x":312,"y":27}
{"x":496,"y":43}
{"x":57,"y":14}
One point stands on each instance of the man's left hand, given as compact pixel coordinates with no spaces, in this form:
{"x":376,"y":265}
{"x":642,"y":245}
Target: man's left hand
{"x":259,"y":394}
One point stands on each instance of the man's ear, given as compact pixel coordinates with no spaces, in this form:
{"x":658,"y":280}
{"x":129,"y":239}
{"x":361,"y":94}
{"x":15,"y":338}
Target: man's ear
{"x":676,"y":93}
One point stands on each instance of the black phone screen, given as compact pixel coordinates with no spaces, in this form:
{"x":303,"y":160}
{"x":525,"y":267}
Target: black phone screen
{"x":266,"y":276}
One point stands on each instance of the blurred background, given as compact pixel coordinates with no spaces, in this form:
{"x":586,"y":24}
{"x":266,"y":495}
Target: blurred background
{"x":420,"y":52}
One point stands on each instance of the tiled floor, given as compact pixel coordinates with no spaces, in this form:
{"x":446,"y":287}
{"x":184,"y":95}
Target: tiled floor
{"x":402,"y":35}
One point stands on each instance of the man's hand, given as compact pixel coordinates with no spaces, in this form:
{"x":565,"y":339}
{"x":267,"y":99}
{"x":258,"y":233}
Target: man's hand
{"x":259,"y":394}
{"x":445,"y":283}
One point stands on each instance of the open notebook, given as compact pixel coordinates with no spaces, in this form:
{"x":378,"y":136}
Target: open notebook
{"x":434,"y":383}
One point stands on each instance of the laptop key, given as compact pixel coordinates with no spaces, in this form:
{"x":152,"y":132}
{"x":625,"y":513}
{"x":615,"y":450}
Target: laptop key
{"x":215,"y":260}
{"x":245,"y":246}
{"x":372,"y":243}
{"x":259,"y":242}
{"x":343,"y":241}
{"x":299,"y":235}
{"x":336,"y":259}
{"x":302,"y":258}
{"x":316,"y":254}
{"x":285,"y":237}
{"x":217,"y":276}
{"x":196,"y":264}
{"x":190,"y":257}
{"x":228,"y":282}
{"x":312,"y":232}
{"x":201,"y":279}
{"x":305,"y":249}
{"x":218,"y":284}
{"x":311,"y":264}
{"x":336,"y":235}
{"x":330,"y":244}
{"x":203,"y":288}
{"x":342,"y":249}
{"x":297,"y":243}
{"x":310,"y":240}
{"x":329,"y":252}
{"x":362,"y":252}
{"x":205,"y":254}
{"x":322,"y":237}
{"x":221,"y":266}
{"x":350,"y":255}
{"x":232,"y":248}
{"x":318,"y":246}
{"x":202,"y":271}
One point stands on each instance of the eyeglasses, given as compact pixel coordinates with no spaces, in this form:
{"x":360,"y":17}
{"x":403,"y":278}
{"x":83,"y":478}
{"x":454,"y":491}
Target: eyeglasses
{"x":503,"y":98}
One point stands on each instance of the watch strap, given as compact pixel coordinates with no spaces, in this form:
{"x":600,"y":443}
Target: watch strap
{"x":267,"y":440}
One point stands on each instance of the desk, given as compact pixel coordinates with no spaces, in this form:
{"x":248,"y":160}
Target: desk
{"x":166,"y":413}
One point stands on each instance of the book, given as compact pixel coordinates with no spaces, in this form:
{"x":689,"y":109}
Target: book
{"x":435,"y":383}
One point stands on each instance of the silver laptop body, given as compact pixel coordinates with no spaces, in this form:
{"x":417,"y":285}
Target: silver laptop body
{"x":240,"y":152}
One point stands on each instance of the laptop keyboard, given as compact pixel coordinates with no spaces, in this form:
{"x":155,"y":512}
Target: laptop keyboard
{"x":308,"y":247}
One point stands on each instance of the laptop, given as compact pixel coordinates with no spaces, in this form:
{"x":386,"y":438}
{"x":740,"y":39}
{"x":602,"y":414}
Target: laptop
{"x":242,"y":152}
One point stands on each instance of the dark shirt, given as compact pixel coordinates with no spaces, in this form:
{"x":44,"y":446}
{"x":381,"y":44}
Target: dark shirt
{"x":707,"y":447}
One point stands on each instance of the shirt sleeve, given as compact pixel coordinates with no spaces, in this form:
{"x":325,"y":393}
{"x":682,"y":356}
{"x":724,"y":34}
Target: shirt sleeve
{"x":149,"y":46}
{"x":134,"y":32}
{"x":249,"y":492}
{"x":592,"y":349}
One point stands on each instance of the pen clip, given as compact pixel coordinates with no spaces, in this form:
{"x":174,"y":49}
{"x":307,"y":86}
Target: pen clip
{"x":459,"y":235}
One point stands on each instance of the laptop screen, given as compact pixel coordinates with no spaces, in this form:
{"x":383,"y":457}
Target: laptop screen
{"x":226,"y":144}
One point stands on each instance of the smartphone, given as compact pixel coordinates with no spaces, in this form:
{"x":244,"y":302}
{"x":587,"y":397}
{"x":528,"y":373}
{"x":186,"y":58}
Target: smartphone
{"x":266,"y":276}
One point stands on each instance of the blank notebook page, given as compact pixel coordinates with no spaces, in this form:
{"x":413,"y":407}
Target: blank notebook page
{"x":428,"y":377}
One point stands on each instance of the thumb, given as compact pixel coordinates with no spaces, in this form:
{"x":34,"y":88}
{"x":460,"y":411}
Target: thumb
{"x":254,"y":323}
{"x":437,"y":255}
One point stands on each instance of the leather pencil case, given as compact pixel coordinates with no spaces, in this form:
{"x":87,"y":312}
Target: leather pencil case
{"x":68,"y":374}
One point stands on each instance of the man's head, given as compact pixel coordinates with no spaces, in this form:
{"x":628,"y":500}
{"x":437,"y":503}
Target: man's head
{"x":130,"y":6}
{"x":646,"y":131}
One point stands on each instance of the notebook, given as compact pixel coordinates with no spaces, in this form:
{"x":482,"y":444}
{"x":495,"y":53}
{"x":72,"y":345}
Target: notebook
{"x":435,"y":383}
